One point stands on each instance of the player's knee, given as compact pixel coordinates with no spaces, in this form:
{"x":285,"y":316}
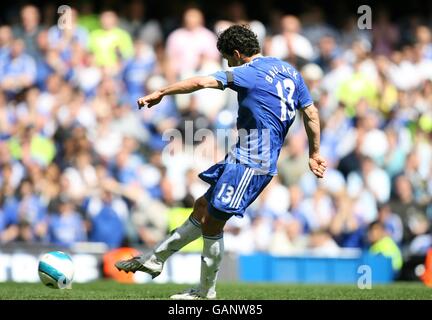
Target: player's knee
{"x":208,"y":228}
{"x":211,"y":226}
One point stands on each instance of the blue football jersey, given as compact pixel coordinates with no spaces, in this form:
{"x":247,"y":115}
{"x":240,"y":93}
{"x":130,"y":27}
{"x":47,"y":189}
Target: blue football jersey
{"x":269,"y":93}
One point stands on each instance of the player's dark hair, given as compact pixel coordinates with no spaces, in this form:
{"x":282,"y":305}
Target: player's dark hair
{"x":238,"y":37}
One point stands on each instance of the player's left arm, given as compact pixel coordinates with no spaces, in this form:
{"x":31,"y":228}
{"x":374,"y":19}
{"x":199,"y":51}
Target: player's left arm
{"x":181,"y":87}
{"x":317,"y":163}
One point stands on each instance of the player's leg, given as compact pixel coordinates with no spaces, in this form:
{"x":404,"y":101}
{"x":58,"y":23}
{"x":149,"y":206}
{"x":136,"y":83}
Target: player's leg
{"x":236,"y":189}
{"x":189,"y":231}
{"x":153,"y":263}
{"x":186,"y":233}
{"x":212,"y":254}
{"x":222,"y":199}
{"x":211,"y":258}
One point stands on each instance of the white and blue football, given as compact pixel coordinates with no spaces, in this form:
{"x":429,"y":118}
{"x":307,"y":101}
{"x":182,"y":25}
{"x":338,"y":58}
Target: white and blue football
{"x":56,"y":270}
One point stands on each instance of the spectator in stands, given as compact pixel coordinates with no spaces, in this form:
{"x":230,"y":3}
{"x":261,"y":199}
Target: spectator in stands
{"x":275,"y":201}
{"x":125,"y":168}
{"x":288,"y":238}
{"x":18,"y":69}
{"x":290,"y":44}
{"x":31,"y":212}
{"x":108,"y":217}
{"x":385,"y":33}
{"x":47,"y":101}
{"x":8,"y":217}
{"x":149,"y":216}
{"x":86,"y":75}
{"x":394,"y":159}
{"x":239,"y":236}
{"x":148,"y":31}
{"x":237,"y":14}
{"x":138,"y":69}
{"x":405,"y":206}
{"x":6,"y":39}
{"x":29,"y":146}
{"x":358,"y":88}
{"x":351,"y":32}
{"x":295,"y":209}
{"x":374,"y":179}
{"x":328,"y":51}
{"x":201,"y":41}
{"x":12,"y":171}
{"x":158,"y":120}
{"x":81,"y":176}
{"x":106,"y":142}
{"x":382,"y":243}
{"x":49,"y":186}
{"x":424,"y":38}
{"x":59,"y":44}
{"x":321,"y":243}
{"x":63,"y":39}
{"x":391,"y":222}
{"x":88,"y":17}
{"x":124,"y":123}
{"x":422,"y":241}
{"x":315,"y":26}
{"x":110,"y":44}
{"x":65,"y":226}
{"x":293,"y":166}
{"x":47,"y":62}
{"x":317,"y":210}
{"x":29,"y":29}
{"x":347,"y":226}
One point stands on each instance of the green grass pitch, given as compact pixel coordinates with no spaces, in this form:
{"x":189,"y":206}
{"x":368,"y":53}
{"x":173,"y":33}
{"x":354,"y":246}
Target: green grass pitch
{"x":106,"y":289}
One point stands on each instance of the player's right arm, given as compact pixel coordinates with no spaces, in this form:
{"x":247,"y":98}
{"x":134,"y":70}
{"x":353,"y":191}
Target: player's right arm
{"x":317,"y":163}
{"x":181,"y":87}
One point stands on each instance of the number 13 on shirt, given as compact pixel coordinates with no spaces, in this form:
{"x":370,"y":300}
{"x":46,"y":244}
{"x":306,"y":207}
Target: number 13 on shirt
{"x":285,"y":92}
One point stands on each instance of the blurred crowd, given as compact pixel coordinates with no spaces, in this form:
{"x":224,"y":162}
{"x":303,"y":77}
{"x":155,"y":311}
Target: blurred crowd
{"x":79,"y":162}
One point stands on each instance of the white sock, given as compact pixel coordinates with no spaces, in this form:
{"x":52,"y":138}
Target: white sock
{"x":211,"y":258}
{"x":189,"y":231}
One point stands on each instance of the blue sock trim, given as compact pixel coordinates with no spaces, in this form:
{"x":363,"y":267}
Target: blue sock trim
{"x":216,"y":237}
{"x":195,"y":222}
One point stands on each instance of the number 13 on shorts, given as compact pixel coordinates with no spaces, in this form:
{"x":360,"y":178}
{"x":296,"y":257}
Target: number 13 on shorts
{"x":226,"y":192}
{"x":231,"y":196}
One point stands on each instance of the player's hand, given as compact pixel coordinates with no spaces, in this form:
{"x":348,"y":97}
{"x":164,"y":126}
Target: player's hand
{"x":150,"y":100}
{"x":317,"y":165}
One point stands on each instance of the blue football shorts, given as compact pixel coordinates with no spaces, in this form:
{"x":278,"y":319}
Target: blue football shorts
{"x":233,"y":187}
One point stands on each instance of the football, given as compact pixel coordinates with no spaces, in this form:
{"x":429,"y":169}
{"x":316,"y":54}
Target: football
{"x":56,"y":270}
